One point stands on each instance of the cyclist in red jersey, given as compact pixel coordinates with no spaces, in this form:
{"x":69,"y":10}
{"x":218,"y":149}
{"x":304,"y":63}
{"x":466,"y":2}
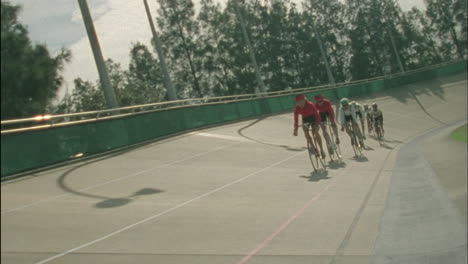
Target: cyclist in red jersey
{"x":325,"y":110}
{"x":310,"y":116}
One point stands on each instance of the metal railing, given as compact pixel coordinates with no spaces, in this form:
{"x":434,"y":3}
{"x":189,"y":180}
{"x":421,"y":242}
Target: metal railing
{"x":47,"y":121}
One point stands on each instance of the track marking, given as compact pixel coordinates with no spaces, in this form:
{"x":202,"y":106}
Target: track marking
{"x":167,"y":211}
{"x":282,"y":227}
{"x":117,"y":179}
{"x":203,"y":134}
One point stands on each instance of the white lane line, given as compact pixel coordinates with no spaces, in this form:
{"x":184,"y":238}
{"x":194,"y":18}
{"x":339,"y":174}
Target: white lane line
{"x":203,"y":134}
{"x":117,"y":179}
{"x":459,"y":83}
{"x":166,"y":211}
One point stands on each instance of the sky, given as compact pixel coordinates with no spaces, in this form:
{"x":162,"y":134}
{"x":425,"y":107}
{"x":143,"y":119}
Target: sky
{"x":118,"y":24}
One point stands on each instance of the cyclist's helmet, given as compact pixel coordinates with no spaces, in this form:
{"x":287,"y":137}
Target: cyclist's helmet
{"x":374,"y":105}
{"x":344,"y":101}
{"x":353,"y":103}
{"x":300,"y":97}
{"x":318,"y":97}
{"x":366,"y":107}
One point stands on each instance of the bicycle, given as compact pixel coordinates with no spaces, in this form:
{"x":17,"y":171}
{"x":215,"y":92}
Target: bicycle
{"x":355,"y":142}
{"x":314,"y":155}
{"x":336,"y":150}
{"x":379,"y":132}
{"x":370,"y":127}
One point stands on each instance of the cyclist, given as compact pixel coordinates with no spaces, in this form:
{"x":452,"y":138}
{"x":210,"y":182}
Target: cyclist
{"x":325,"y":110}
{"x":359,"y":114}
{"x":368,"y":113}
{"x":348,"y":114}
{"x":377,"y":117}
{"x":310,"y":116}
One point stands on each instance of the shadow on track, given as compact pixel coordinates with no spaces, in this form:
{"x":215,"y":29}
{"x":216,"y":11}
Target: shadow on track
{"x":241,"y":133}
{"x":336,"y":164}
{"x":316,"y":176}
{"x":116,"y":202}
{"x":360,"y":158}
{"x":106,"y":202}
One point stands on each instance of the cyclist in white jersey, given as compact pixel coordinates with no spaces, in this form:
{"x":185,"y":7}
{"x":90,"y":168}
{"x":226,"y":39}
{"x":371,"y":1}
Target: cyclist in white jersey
{"x":347,"y":114}
{"x":360,"y":114}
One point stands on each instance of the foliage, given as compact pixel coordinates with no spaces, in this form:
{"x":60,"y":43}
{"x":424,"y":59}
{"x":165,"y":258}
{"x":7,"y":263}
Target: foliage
{"x":207,"y":55}
{"x":30,"y":77}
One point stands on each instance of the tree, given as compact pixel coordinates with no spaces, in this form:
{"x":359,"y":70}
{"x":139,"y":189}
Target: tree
{"x":273,"y":47}
{"x":144,"y":82}
{"x":30,"y":77}
{"x":376,"y":40}
{"x":326,"y":16}
{"x":141,"y":84}
{"x":297,"y":42}
{"x":179,"y":35}
{"x":449,"y":17}
{"x":423,"y":50}
{"x":237,"y":70}
{"x":85,"y":97}
{"x":215,"y":59}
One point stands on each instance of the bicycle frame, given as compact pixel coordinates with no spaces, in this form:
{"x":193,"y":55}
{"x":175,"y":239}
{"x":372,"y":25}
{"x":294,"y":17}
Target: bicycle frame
{"x":379,"y":131}
{"x":357,"y":147}
{"x":331,"y":133}
{"x":314,"y":155}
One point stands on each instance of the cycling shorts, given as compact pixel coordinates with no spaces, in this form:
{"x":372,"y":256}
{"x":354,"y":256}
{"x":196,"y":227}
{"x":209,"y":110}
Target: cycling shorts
{"x":378,"y":119}
{"x":358,"y":114}
{"x":324,"y":116}
{"x":348,"y":118}
{"x":308,"y":120}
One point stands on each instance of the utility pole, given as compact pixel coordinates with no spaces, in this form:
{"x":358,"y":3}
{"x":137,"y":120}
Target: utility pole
{"x":331,"y":79}
{"x":389,"y":32}
{"x":162,"y":61}
{"x":400,"y":65}
{"x":260,"y":83}
{"x":101,"y":66}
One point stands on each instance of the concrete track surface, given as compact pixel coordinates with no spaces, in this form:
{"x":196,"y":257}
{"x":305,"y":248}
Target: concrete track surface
{"x":246,"y":193}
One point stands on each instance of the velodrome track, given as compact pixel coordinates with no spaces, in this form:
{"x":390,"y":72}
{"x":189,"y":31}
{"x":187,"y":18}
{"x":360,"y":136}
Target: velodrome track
{"x":245,"y":193}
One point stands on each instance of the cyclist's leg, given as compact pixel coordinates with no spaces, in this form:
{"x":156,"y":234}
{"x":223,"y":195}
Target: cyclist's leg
{"x":306,"y":133}
{"x":378,"y":129}
{"x":323,"y":125}
{"x":348,"y":120}
{"x":381,"y":127}
{"x":348,"y":129}
{"x":330,"y":144}
{"x":363,"y":128}
{"x":318,"y":138}
{"x":369,"y":125}
{"x":358,"y":132}
{"x":335,"y":131}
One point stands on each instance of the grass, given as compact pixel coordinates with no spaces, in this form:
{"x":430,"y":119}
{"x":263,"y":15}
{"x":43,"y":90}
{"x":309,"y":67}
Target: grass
{"x":460,"y":134}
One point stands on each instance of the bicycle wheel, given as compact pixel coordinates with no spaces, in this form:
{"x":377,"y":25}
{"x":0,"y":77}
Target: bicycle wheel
{"x":331,"y":152}
{"x":322,"y":161}
{"x":370,"y":127}
{"x":319,"y":156}
{"x":357,"y":145}
{"x":374,"y":132}
{"x":336,"y":153}
{"x":312,"y":151}
{"x":379,"y":133}
{"x":354,"y":145}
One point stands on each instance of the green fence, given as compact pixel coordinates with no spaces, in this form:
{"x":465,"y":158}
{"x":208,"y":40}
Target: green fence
{"x":23,"y":151}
